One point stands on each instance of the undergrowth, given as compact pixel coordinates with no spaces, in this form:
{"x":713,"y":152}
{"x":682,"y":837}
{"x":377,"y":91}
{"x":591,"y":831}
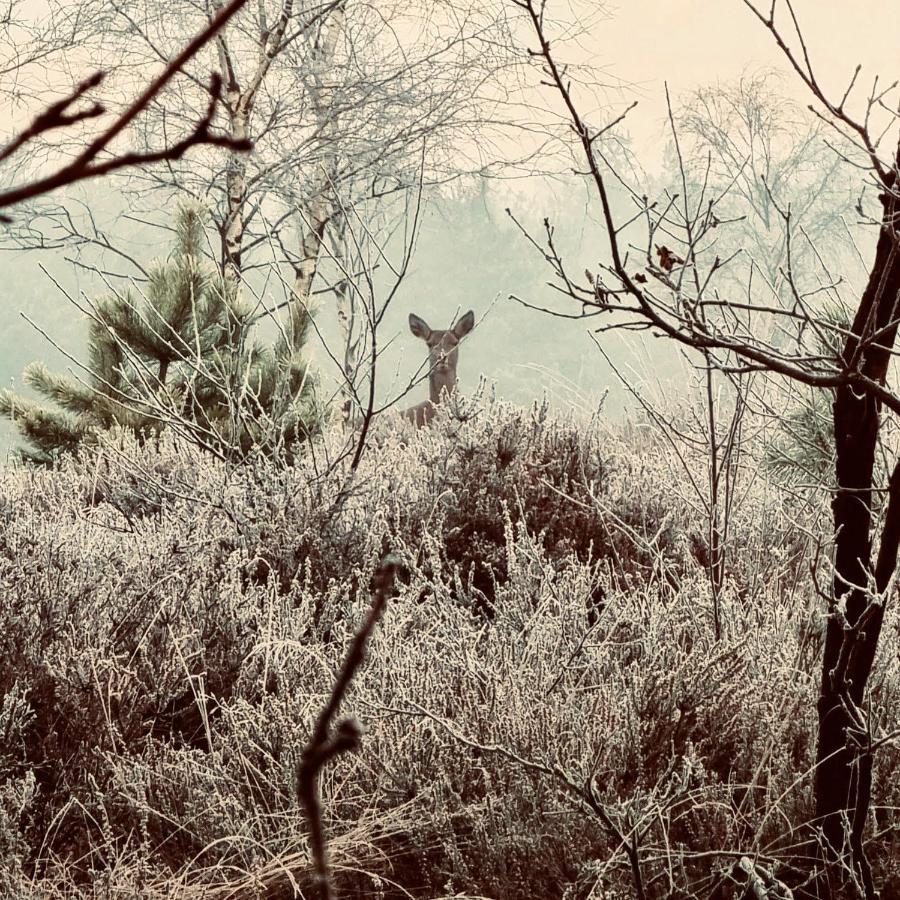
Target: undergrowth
{"x":170,"y":627}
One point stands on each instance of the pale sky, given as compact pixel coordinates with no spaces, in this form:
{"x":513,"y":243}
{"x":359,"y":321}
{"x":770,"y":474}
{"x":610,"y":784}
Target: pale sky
{"x":694,"y":42}
{"x":689,"y":43}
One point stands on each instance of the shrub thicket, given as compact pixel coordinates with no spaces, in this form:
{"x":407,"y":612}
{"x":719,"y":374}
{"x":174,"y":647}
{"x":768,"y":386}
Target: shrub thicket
{"x":170,"y":626}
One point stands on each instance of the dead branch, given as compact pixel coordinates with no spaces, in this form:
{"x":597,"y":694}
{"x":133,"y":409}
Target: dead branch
{"x":326,"y":743}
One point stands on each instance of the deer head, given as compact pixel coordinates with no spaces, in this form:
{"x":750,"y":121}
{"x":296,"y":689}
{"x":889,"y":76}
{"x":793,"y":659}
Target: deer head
{"x":443,"y":356}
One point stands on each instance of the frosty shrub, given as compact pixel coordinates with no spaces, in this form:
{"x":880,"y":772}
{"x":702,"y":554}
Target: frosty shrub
{"x":171,"y":625}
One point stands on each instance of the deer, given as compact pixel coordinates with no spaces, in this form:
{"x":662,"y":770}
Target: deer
{"x":443,"y":356}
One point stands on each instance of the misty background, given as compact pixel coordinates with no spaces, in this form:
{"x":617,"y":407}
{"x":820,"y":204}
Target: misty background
{"x":469,"y":252}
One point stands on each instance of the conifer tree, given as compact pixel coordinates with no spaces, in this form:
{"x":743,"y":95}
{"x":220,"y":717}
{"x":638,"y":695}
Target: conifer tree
{"x":178,"y":355}
{"x":802,"y":451}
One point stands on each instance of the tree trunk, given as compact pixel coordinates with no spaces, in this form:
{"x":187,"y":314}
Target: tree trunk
{"x":348,"y":314}
{"x":236,"y":195}
{"x":238,"y":104}
{"x":843,"y":773}
{"x":319,"y":210}
{"x":305,"y":270}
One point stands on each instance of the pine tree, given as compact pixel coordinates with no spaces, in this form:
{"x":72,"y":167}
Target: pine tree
{"x":178,"y":355}
{"x":802,"y":449}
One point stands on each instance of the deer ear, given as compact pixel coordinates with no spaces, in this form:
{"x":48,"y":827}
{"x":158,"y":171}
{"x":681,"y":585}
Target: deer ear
{"x":419,"y":327}
{"x":464,"y":324}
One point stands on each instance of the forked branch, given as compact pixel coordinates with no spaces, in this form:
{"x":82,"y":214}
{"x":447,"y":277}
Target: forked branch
{"x":802,"y":65}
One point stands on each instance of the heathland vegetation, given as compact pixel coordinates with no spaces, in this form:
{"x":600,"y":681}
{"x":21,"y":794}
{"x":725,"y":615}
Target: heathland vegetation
{"x":264,"y":635}
{"x":548,"y":709}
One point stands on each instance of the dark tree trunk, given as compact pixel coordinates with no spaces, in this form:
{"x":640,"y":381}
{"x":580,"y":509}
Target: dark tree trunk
{"x":843,"y":774}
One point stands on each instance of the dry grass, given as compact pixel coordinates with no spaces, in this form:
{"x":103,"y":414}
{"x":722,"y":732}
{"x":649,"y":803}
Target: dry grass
{"x":171,"y":626}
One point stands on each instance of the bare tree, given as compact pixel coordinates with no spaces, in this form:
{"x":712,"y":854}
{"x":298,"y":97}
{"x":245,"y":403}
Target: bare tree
{"x":670,"y":282}
{"x":345,"y":104}
{"x":760,"y":152}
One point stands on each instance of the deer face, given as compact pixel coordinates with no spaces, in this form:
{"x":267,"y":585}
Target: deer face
{"x":443,"y":352}
{"x":443,"y":344}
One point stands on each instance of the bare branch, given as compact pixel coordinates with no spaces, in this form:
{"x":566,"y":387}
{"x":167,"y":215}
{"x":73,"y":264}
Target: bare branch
{"x":325,"y":743}
{"x":85,"y":165}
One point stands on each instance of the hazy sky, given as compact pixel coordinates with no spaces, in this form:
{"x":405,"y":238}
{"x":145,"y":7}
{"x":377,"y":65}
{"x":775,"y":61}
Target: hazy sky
{"x":689,"y":43}
{"x":694,"y":42}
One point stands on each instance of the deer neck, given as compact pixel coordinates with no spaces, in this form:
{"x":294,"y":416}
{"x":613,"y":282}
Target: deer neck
{"x":440,"y":382}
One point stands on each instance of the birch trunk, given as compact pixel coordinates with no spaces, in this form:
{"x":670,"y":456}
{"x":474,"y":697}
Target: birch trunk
{"x":320,"y":209}
{"x":236,"y":195}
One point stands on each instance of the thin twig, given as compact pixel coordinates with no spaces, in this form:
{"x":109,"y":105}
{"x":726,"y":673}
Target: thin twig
{"x":326,"y":743}
{"x":85,"y":165}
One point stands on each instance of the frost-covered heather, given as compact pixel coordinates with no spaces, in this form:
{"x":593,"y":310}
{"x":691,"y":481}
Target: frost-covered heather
{"x":170,"y":628}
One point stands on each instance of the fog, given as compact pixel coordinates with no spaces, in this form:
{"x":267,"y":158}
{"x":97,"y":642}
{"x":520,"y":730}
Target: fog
{"x":470,"y":254}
